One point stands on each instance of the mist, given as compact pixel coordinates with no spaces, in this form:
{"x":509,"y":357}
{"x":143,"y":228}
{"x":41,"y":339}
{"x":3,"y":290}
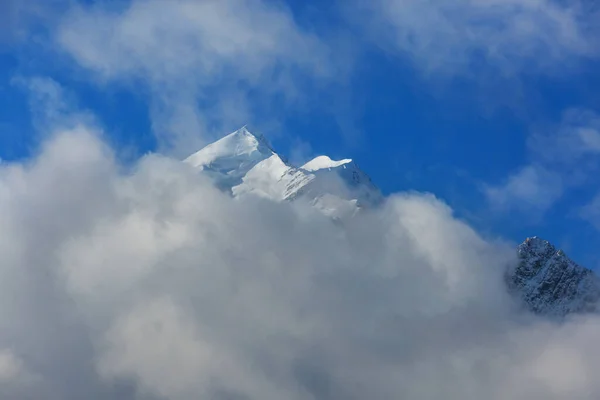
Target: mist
{"x":146,"y":282}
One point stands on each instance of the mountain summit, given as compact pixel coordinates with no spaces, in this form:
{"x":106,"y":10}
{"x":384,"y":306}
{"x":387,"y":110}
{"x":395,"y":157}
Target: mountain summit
{"x":229,"y":159}
{"x":545,"y":279}
{"x":550,"y":283}
{"x":243,"y":163}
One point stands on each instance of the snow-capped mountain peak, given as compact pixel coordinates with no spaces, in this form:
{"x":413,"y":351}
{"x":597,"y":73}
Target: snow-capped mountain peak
{"x":230,"y":158}
{"x":246,"y":164}
{"x":238,"y":145}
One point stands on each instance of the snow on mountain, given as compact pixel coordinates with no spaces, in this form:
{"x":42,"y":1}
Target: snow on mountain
{"x":246,"y":164}
{"x":550,"y":283}
{"x":343,"y":177}
{"x":229,"y":159}
{"x":274,"y":179}
{"x":545,"y":279}
{"x":323,"y":162}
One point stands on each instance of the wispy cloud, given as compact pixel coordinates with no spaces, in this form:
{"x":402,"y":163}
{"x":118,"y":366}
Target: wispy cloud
{"x":51,"y":106}
{"x":469,"y":36}
{"x":591,"y":212}
{"x":531,"y":188}
{"x":562,"y":157}
{"x":18,"y":18}
{"x":196,"y":55}
{"x":577,"y":138}
{"x":10,"y":366}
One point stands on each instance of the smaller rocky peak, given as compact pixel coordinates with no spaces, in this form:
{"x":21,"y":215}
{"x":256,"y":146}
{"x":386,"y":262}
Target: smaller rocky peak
{"x":550,"y":283}
{"x":536,"y":246}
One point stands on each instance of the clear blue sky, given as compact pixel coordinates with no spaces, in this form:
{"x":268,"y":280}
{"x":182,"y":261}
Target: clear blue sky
{"x":493,"y":108}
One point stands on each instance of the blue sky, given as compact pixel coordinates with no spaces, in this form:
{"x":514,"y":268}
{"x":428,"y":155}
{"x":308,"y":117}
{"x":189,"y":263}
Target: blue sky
{"x":492,"y":106}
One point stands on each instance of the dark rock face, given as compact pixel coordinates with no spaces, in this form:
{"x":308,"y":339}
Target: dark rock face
{"x":550,"y":283}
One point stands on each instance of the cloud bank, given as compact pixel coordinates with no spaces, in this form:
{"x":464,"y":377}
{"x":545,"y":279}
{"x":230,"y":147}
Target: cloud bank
{"x":148,"y":283}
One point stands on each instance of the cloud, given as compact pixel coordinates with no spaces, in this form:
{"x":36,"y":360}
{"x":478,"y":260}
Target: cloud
{"x":197,"y":55}
{"x":10,"y":15}
{"x":18,"y":19}
{"x":52,"y":107}
{"x":591,"y":212}
{"x":10,"y":366}
{"x":464,"y":37}
{"x":562,"y":158}
{"x":15,"y":16}
{"x":532,"y":187}
{"x":148,"y":283}
{"x":577,"y":138}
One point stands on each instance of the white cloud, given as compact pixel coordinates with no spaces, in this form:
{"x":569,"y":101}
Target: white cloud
{"x":14,"y":376}
{"x":577,"y":137}
{"x":10,"y":366}
{"x":207,"y":36}
{"x":591,"y":212}
{"x":532,"y":187}
{"x":51,"y":106}
{"x":194,"y":55}
{"x":152,"y":284}
{"x":562,"y":158}
{"x":590,"y":138}
{"x":10,"y":14}
{"x":460,"y":37}
{"x":19,"y":18}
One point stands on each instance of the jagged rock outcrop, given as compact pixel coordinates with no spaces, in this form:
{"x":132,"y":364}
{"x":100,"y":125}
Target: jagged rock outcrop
{"x":550,"y":283}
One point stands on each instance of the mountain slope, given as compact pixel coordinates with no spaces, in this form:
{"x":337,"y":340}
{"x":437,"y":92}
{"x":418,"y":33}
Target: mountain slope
{"x":246,"y":164}
{"x":550,"y":283}
{"x":229,"y":159}
{"x":345,"y":177}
